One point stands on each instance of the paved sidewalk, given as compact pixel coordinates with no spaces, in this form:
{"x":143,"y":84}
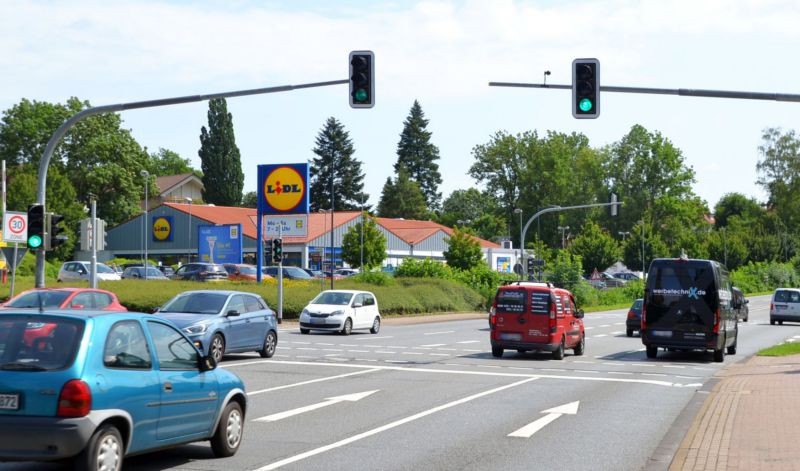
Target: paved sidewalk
{"x":750,"y":420}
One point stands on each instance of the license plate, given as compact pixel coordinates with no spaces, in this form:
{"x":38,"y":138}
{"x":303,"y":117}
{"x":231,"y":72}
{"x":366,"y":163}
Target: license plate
{"x":317,"y":320}
{"x":661,"y":333}
{"x":508,"y":336}
{"x":9,"y":401}
{"x":778,"y":307}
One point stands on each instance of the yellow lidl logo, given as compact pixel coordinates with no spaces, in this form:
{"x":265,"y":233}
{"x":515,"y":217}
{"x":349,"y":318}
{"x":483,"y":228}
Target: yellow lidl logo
{"x":162,"y":229}
{"x":284,"y":188}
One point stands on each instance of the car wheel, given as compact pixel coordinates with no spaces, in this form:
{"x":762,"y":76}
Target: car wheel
{"x":217,"y":347}
{"x":497,"y":352}
{"x":629,"y":332}
{"x":304,"y":331}
{"x":652,"y":351}
{"x":780,"y":322}
{"x":558,"y":354}
{"x":228,"y":435}
{"x":348,"y":327}
{"x":771,"y":322}
{"x":376,"y":325}
{"x":270,"y":342}
{"x":719,"y":353}
{"x":105,"y":450}
{"x":580,"y":347}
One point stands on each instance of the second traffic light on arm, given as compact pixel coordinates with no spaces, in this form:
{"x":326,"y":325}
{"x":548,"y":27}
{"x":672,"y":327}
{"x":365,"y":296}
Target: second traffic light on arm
{"x":586,"y":88}
{"x":36,"y":232}
{"x":362,"y":79}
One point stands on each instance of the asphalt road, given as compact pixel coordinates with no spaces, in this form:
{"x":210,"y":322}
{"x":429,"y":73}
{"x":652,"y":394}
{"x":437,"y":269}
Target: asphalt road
{"x":431,"y":396}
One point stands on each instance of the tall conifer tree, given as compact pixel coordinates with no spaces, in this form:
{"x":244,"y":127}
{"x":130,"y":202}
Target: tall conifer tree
{"x":223,"y":180}
{"x":335,"y":161}
{"x":418,"y":155}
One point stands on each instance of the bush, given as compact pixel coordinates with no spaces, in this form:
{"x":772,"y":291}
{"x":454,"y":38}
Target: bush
{"x":426,"y":268}
{"x":376,"y":278}
{"x":762,"y":277}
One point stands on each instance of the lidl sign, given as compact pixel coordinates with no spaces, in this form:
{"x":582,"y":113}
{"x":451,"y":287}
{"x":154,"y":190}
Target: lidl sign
{"x":162,"y":228}
{"x":283,"y":189}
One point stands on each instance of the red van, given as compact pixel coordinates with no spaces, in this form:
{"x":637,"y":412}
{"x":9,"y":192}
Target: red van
{"x":529,"y":316}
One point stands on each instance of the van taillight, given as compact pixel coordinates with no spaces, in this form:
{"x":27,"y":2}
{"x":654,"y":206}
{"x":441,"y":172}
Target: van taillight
{"x":552,"y":321}
{"x":75,"y":399}
{"x":644,"y":317}
{"x":716,"y":321}
{"x":492,"y":316}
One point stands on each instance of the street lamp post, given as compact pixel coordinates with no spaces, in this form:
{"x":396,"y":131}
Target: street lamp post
{"x":189,"y":233}
{"x":643,"y":274}
{"x":563,"y":230}
{"x":521,"y":260}
{"x":146,"y":175}
{"x":724,"y":246}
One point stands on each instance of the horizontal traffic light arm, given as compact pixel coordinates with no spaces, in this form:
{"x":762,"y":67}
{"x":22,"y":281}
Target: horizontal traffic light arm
{"x":666,"y":91}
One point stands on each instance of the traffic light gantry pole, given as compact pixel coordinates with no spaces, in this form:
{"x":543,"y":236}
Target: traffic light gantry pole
{"x":62,"y":130}
{"x":665,"y":91}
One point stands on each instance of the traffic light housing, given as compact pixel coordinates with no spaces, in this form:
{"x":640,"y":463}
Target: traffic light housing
{"x":36,"y":226}
{"x":54,"y":236}
{"x":585,"y":88}
{"x":362,"y":79}
{"x":613,"y":209}
{"x":277,"y":250}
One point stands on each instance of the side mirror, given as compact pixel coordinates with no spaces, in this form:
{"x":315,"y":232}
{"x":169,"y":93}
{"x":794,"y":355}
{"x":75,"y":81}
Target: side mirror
{"x":207,"y":363}
{"x":579,"y":314}
{"x":233,"y":313}
{"x":747,"y":301}
{"x":154,"y":310}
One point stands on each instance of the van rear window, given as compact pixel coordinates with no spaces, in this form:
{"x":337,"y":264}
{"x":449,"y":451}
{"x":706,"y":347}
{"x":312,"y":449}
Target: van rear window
{"x":511,"y":301}
{"x":787,"y":297}
{"x":682,"y":280}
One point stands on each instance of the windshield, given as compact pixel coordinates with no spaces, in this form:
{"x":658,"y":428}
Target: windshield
{"x":102,"y":268}
{"x":196,"y":303}
{"x":333,"y":297}
{"x":295,"y":272}
{"x":154,"y":272}
{"x":39,"y":298}
{"x":247,"y":270}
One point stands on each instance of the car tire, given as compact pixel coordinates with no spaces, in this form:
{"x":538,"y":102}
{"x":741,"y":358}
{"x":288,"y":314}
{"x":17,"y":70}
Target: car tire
{"x":105,"y":450}
{"x":228,"y":436}
{"x":780,"y":322}
{"x":558,"y":354}
{"x":376,"y":325}
{"x":216,"y":348}
{"x":771,"y":322}
{"x":270,"y":343}
{"x":304,"y":331}
{"x":497,"y":352}
{"x":629,"y":332}
{"x":347,"y":328}
{"x":719,"y":353}
{"x":652,"y":351}
{"x":580,"y":347}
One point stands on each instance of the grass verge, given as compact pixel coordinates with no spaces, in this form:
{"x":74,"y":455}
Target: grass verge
{"x":781,"y":350}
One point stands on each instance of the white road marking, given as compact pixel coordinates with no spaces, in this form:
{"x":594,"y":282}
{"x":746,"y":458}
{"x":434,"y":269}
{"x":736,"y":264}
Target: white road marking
{"x":385,"y":351}
{"x":434,"y":345}
{"x":439,"y":354}
{"x":619,"y":332}
{"x":327,"y":402}
{"x":470,"y":341}
{"x":358,"y":351}
{"x":311,"y":381}
{"x":411,"y":353}
{"x":599,"y":335}
{"x":438,"y":333}
{"x":376,"y":338}
{"x":552,"y":414}
{"x":397,"y":423}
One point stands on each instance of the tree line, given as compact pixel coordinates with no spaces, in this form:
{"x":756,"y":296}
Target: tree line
{"x":515,"y":175}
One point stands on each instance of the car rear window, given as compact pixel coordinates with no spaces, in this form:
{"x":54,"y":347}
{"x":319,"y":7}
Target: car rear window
{"x":38,"y":343}
{"x":511,"y":300}
{"x":786,"y":296}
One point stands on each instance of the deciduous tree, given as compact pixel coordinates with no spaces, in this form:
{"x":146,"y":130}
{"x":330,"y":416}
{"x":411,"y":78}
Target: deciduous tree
{"x":369,"y":245}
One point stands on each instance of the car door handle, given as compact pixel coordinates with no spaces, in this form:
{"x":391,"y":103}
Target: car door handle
{"x":167,"y":386}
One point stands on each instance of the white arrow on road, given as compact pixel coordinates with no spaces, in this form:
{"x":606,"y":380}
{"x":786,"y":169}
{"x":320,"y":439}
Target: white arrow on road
{"x":328,"y":402}
{"x":552,"y":414}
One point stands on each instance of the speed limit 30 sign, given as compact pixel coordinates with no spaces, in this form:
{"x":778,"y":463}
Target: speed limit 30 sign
{"x":15,"y":227}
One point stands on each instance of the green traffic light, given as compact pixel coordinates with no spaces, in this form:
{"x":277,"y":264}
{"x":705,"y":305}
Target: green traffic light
{"x":585,"y":105}
{"x":361,"y":95}
{"x":34,"y":241}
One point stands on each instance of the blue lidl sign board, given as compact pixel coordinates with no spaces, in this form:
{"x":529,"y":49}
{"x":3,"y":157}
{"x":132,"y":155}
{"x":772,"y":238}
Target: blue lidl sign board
{"x":220,"y":244}
{"x":283,"y":189}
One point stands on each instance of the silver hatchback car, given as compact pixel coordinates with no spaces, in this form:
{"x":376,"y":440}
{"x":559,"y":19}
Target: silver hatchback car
{"x":78,"y":271}
{"x":785,"y":306}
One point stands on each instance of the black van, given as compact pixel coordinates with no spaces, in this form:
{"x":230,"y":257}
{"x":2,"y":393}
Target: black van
{"x":688,"y":306}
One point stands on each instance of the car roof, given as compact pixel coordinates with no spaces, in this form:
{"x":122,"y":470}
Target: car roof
{"x":227,"y":292}
{"x":70,"y":289}
{"x":351,"y":291}
{"x":75,"y":313}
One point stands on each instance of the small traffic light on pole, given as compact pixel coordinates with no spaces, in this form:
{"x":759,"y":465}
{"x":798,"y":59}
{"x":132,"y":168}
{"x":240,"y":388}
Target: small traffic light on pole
{"x":614,"y":204}
{"x":267,"y":252}
{"x":277,"y":250}
{"x":586,"y":88}
{"x":36,"y":226}
{"x":362,"y":79}
{"x":53,"y":237}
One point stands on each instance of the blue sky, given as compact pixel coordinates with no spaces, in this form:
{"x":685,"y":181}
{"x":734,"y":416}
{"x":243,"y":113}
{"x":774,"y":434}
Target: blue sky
{"x":442,"y":53}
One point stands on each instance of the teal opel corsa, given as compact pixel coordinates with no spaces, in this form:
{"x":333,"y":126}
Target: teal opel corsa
{"x":101,"y":386}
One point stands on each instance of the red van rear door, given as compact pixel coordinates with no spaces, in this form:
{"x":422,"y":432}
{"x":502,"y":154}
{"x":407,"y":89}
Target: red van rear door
{"x":537,"y":321}
{"x":511,"y":305}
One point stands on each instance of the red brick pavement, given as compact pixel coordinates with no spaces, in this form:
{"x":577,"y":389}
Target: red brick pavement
{"x":750,"y":420}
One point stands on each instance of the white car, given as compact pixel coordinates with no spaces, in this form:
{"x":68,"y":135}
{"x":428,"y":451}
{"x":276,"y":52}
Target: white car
{"x":341,"y":311}
{"x":79,"y":271}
